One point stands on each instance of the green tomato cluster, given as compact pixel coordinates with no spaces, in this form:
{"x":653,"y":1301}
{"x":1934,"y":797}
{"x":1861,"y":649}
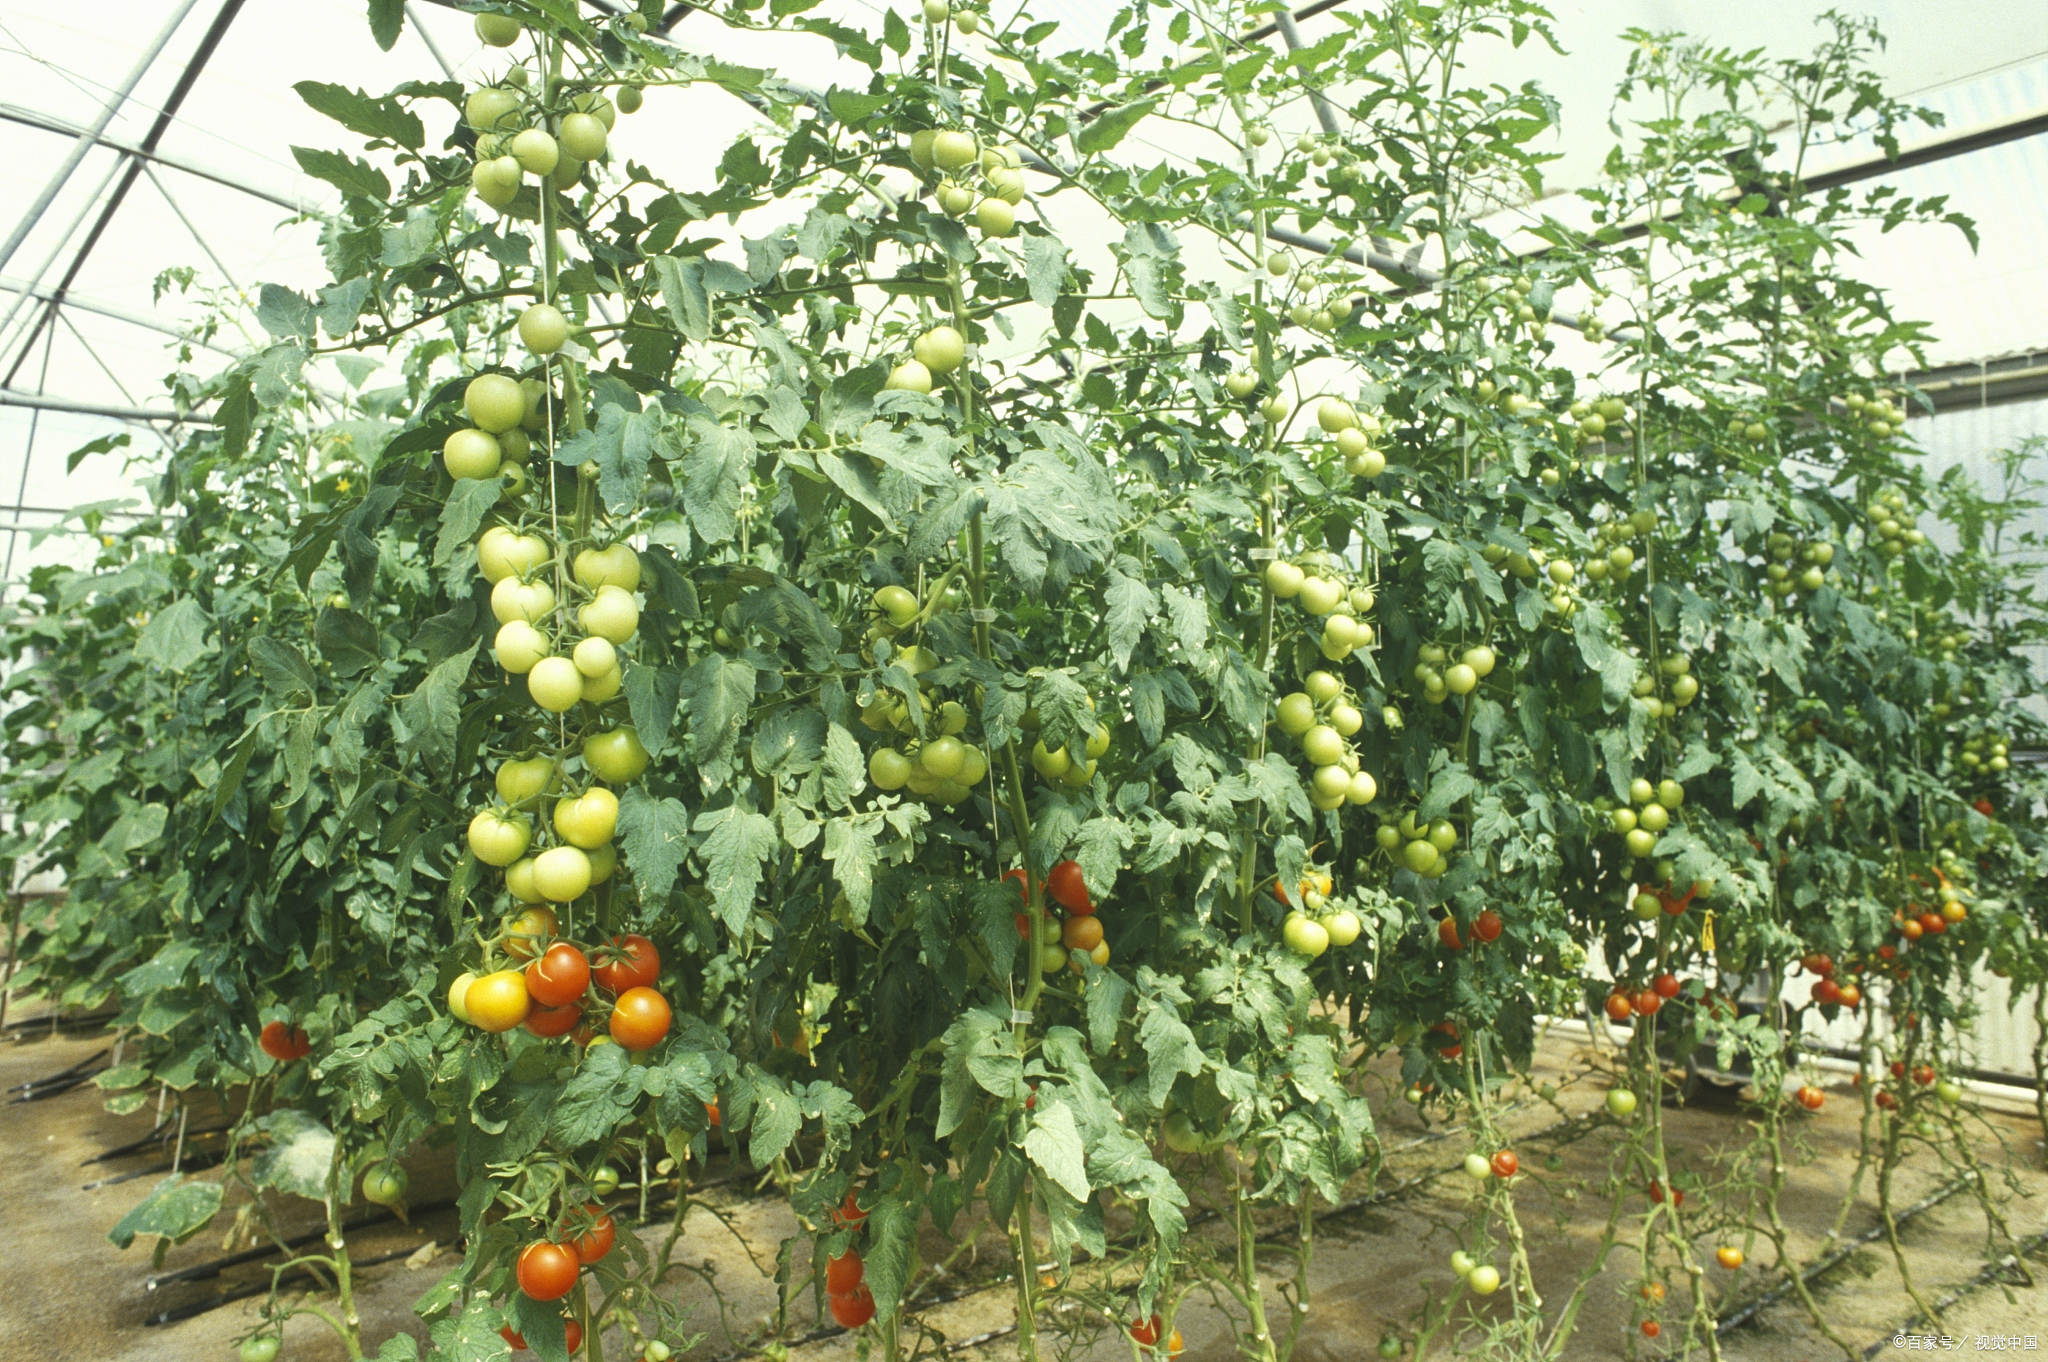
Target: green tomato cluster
{"x":1424,"y":848}
{"x":1795,"y":566}
{"x":985,"y":181}
{"x":1640,"y":826}
{"x":1322,"y":593}
{"x":1322,"y":718}
{"x":517,"y":136}
{"x":1554,"y":577}
{"x":1440,"y":678}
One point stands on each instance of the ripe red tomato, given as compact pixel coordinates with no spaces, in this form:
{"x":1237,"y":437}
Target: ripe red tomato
{"x":1144,"y":1333}
{"x":855,"y":1308}
{"x":1826,"y":992}
{"x":1618,"y":1006}
{"x":844,"y":1273}
{"x":1817,"y":963}
{"x":1666,"y":985}
{"x":1887,"y":952}
{"x":1505,"y":1164}
{"x":1809,"y":1097}
{"x":1023,"y":921}
{"x":1486,"y":927}
{"x":1651,"y":1328}
{"x":1934,"y":924}
{"x":597,"y":1238}
{"x":1067,"y":888}
{"x":1447,"y":932}
{"x":1886,"y":1100}
{"x":632,"y":963}
{"x":1021,"y":880}
{"x":849,"y":1213}
{"x":1923,"y":1074}
{"x":1449,"y":1047}
{"x":559,"y":977}
{"x":1647,"y":1002}
{"x":1657,"y":1194}
{"x":554,"y":1021}
{"x":1898,"y":1068}
{"x":640,"y":1018}
{"x":1983,"y":806}
{"x":711,"y":1115}
{"x":547,"y":1272}
{"x":284,"y":1043}
{"x":1849,"y":995}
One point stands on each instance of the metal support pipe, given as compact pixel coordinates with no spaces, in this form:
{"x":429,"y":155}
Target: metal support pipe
{"x":440,"y":60}
{"x":1290,"y":33}
{"x":11,"y":397}
{"x":31,"y":118}
{"x":50,"y":259}
{"x":87,"y":138}
{"x":169,"y":112}
{"x":78,"y":304}
{"x":190,"y":227}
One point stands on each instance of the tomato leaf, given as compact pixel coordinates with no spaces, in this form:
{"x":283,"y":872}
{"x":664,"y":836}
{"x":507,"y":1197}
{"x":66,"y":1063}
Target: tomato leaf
{"x":299,"y":1158}
{"x":379,"y":117}
{"x":175,"y":636}
{"x":432,"y":712}
{"x":1104,"y":132}
{"x":736,"y":843}
{"x":175,"y":1210}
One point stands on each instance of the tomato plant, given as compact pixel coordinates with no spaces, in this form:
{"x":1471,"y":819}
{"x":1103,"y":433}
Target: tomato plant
{"x":975,"y":726}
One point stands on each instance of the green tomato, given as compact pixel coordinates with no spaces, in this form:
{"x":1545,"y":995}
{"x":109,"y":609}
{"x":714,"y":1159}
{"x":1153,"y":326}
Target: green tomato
{"x":1621,"y":1103}
{"x":617,"y":756}
{"x":555,"y":684}
{"x":583,"y":136}
{"x":909,"y":377}
{"x":604,"y":1180}
{"x":943,"y":757}
{"x":1284,"y":579}
{"x":1322,"y":745}
{"x":521,"y":782}
{"x":1442,"y":835}
{"x":940,"y":349}
{"x":1949,"y":1091}
{"x":384,"y":1185}
{"x":1477,"y":1168}
{"x":1343,"y":927}
{"x":1319,"y":595}
{"x":1305,"y":936}
{"x":1462,"y":1262}
{"x":1098,"y":741}
{"x":1421,"y":857}
{"x":612,"y":614}
{"x":1322,"y":687}
{"x":889,"y":769}
{"x":1388,"y":836}
{"x":1641,"y":843}
{"x":1654,"y":817}
{"x":1485,"y":1280}
{"x":471,"y":454}
{"x":1179,"y":1133}
{"x":494,"y":402}
{"x":263,"y":1347}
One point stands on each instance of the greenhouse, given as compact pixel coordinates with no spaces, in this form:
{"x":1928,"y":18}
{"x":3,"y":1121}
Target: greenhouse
{"x":898,"y":680}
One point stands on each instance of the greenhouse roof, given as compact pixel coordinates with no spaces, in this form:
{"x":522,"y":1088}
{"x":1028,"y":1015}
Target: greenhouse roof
{"x":134,"y":214}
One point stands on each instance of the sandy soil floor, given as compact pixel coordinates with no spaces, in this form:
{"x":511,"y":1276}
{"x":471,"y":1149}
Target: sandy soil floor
{"x":71,"y":1294}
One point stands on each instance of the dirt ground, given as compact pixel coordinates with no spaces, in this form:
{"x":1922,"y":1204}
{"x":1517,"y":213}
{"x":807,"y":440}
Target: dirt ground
{"x":72,"y":1295}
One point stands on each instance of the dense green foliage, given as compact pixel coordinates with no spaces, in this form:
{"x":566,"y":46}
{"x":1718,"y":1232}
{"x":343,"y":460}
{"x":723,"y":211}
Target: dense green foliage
{"x":1641,"y":651}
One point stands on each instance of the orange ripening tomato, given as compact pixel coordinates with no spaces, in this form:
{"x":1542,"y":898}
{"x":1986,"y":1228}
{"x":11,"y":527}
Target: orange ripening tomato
{"x":1728,"y":1256}
{"x":546,"y":1271}
{"x":597,"y":1236}
{"x":1647,"y":1002}
{"x":711,"y":1114}
{"x":849,"y":1213}
{"x":1618,"y":1007}
{"x":633,"y":962}
{"x":1447,"y":933}
{"x":284,"y":1043}
{"x":640,"y":1018}
{"x":1651,"y":1328}
{"x":1144,"y":1333}
{"x":844,"y":1273}
{"x":1487,"y":926}
{"x":1082,"y":933}
{"x":559,"y":977}
{"x":525,"y":931}
{"x":1505,"y":1164}
{"x":498,"y":1001}
{"x":853,"y":1309}
{"x":1067,"y":888}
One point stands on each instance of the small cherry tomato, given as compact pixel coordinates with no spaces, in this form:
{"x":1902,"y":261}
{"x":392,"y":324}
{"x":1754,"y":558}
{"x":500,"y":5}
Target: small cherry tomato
{"x":1068,"y":888}
{"x":1505,"y":1164}
{"x":1728,"y":1256}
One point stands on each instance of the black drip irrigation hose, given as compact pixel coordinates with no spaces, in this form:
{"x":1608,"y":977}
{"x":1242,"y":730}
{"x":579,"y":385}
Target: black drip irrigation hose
{"x":200,"y":1272}
{"x":1984,"y":1278}
{"x":162,"y":1134}
{"x":57,"y":1021}
{"x":229,"y":1297}
{"x":1749,"y":1313}
{"x":190,"y":1163}
{"x":63,"y":1081}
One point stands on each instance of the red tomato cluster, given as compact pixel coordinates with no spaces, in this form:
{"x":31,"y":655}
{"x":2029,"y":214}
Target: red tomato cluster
{"x":551,"y":995}
{"x":1080,"y":929}
{"x":846,"y":1288}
